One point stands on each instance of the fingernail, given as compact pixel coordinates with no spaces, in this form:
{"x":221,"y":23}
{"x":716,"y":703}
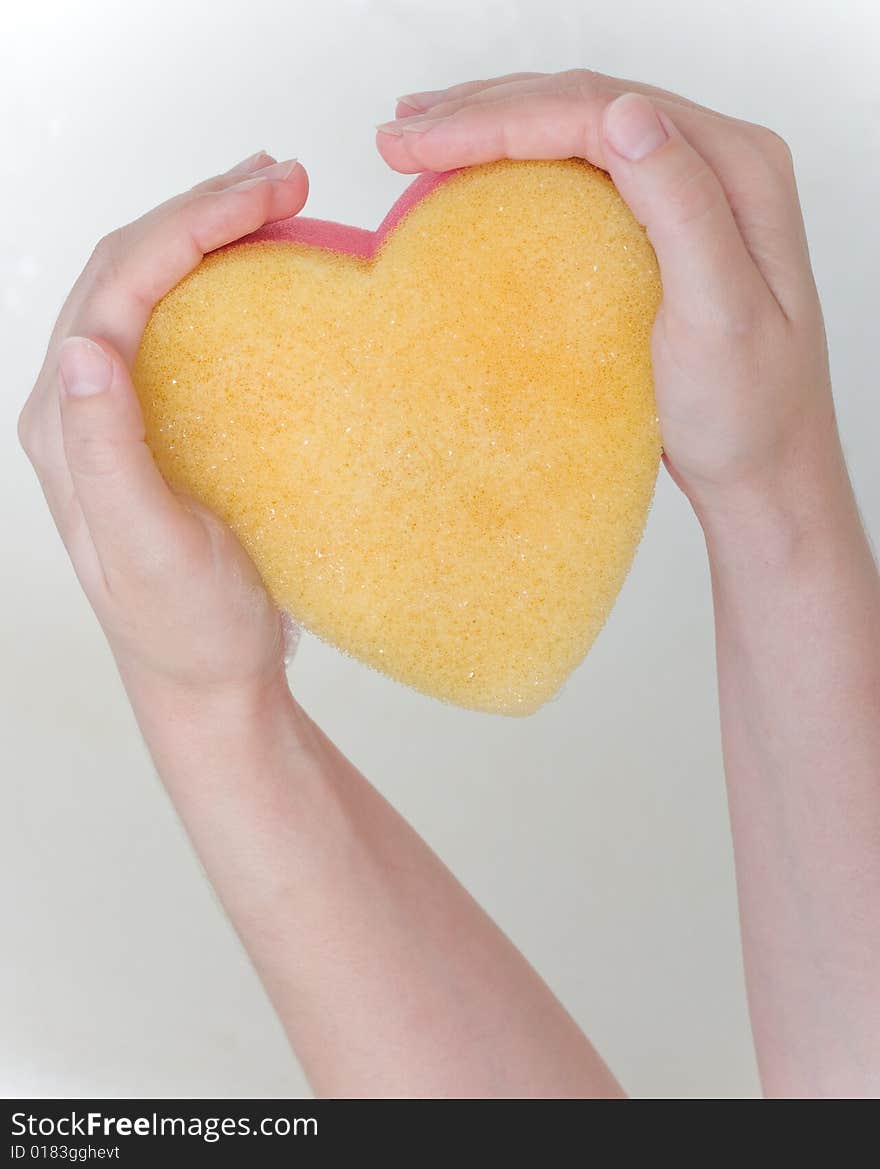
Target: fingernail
{"x":83,"y":367}
{"x":247,"y":163}
{"x":277,"y":170}
{"x":245,"y":184}
{"x":266,"y":174}
{"x":419,"y":101}
{"x":632,"y":127}
{"x":416,"y":125}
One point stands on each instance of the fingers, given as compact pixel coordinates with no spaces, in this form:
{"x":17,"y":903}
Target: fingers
{"x":419,"y":102}
{"x":500,"y":113}
{"x":95,"y":270}
{"x":131,"y":514}
{"x":247,"y":166}
{"x":515,"y":122}
{"x":134,"y":268}
{"x":528,"y":82}
{"x":667,"y":183}
{"x":560,"y":116}
{"x":128,"y":272}
{"x":707,"y":270}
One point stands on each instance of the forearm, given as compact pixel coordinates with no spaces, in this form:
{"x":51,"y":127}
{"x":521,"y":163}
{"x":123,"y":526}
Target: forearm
{"x":387,"y":976}
{"x":797,"y":611}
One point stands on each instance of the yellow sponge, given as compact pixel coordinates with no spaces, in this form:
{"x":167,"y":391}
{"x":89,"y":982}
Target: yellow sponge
{"x":438,"y":441}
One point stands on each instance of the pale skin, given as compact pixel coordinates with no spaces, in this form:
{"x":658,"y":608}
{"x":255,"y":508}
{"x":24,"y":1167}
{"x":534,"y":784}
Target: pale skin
{"x":388,"y":978}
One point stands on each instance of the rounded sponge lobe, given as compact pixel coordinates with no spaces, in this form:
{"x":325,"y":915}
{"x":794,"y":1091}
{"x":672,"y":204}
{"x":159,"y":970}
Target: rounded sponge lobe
{"x":438,"y":441}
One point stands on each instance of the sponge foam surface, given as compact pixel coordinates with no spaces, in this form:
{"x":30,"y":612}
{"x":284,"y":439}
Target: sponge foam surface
{"x":438,"y":443}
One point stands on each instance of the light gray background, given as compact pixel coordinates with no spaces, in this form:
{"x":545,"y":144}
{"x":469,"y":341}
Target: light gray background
{"x":595,"y":831}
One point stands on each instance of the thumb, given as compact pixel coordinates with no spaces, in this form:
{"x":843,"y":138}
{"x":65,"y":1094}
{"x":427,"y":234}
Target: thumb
{"x":131,"y":513}
{"x":708,"y":274}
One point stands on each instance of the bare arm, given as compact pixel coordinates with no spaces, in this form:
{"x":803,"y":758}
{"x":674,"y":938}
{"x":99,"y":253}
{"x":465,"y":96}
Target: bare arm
{"x":744,"y":397}
{"x":797,"y":618}
{"x":387,"y":976}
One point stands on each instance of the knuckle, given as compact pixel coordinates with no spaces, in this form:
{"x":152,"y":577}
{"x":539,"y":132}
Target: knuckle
{"x":582,"y":83}
{"x":209,"y":214}
{"x":721,"y":328}
{"x":31,"y":432}
{"x":92,"y":457}
{"x":103,"y":249}
{"x":106,"y":258}
{"x":26,"y":430}
{"x":773,"y":149}
{"x":740,"y":320}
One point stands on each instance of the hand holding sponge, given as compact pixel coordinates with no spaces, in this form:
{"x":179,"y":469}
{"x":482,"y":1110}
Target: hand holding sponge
{"x":437,"y":441}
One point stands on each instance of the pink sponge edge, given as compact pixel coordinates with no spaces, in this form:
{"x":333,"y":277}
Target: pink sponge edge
{"x":339,"y":237}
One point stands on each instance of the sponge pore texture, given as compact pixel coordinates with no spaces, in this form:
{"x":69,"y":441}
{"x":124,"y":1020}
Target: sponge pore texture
{"x":438,"y":441}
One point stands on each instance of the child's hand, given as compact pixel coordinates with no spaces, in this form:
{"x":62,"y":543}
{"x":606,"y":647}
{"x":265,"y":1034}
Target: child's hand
{"x":740,"y":366}
{"x":744,"y":397}
{"x":179,"y":599}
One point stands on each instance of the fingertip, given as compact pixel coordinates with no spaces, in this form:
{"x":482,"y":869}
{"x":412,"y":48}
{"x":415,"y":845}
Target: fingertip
{"x":85,"y":368}
{"x":632,"y":128}
{"x":289,"y":193}
{"x":99,"y":405}
{"x":405,"y":107}
{"x":392,"y":149}
{"x":111,"y":467}
{"x":259,"y":158}
{"x":278,"y":193}
{"x":297,"y":176}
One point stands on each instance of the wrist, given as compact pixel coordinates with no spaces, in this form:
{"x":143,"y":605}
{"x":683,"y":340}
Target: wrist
{"x":783,"y":517}
{"x":179,"y":720}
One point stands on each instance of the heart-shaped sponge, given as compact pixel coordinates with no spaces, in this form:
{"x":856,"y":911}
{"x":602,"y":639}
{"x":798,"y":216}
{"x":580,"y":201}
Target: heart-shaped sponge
{"x":437,"y":441}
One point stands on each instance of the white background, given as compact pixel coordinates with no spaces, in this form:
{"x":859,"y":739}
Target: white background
{"x":595,"y":831}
